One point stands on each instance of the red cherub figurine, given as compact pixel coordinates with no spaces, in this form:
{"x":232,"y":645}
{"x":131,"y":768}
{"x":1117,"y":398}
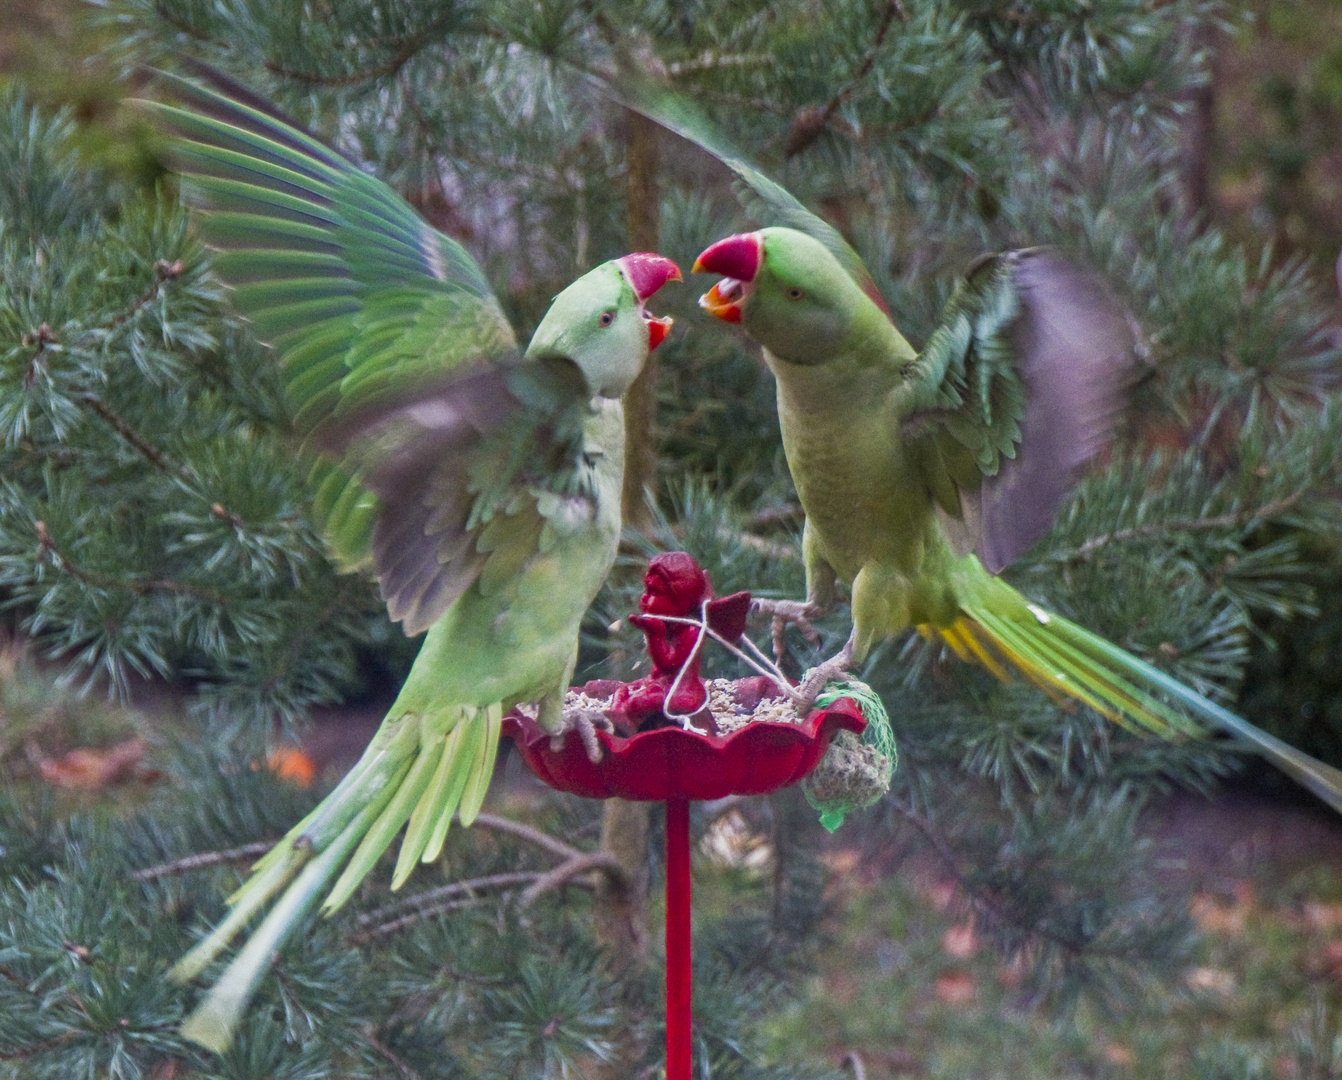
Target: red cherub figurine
{"x":677,"y":585}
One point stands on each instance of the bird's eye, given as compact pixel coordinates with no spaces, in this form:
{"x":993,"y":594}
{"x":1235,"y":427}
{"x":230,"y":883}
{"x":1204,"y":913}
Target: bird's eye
{"x":795,"y":293}
{"x":607,"y":317}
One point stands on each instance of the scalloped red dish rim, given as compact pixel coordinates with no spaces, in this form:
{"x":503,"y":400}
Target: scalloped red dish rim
{"x":671,"y":763}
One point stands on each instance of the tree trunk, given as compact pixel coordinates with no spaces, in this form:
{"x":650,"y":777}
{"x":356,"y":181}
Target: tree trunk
{"x":621,"y":914}
{"x":640,"y":402}
{"x":621,"y":911}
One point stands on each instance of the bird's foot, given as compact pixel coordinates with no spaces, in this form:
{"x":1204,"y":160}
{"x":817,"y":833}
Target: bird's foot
{"x":585,"y":722}
{"x":782,"y":612}
{"x":820,"y":676}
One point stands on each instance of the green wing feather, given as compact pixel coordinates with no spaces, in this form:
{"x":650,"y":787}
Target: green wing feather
{"x":763,"y":198}
{"x":1020,"y":384}
{"x":394,"y":348}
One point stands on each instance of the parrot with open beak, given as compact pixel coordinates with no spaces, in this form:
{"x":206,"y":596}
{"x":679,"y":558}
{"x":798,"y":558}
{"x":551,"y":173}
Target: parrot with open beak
{"x":480,"y":485}
{"x":923,"y":473}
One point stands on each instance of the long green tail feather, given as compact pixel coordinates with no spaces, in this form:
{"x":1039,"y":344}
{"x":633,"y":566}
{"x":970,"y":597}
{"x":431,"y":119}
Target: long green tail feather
{"x":408,"y":771}
{"x":455,"y":785}
{"x":1316,"y":776}
{"x":1063,"y":658}
{"x":439,"y":801}
{"x":473,"y":797}
{"x":381,"y":833}
{"x":261,"y":886}
{"x":212,"y":1023}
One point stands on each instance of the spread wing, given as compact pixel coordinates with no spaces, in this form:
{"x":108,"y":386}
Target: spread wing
{"x":399,"y":364}
{"x":1020,"y":383}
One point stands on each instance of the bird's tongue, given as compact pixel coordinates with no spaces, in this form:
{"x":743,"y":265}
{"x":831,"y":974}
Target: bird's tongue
{"x":723,"y":300}
{"x":647,"y":272}
{"x":738,"y":259}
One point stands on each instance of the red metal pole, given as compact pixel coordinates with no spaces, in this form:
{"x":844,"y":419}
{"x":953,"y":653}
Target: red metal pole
{"x":678,"y":970}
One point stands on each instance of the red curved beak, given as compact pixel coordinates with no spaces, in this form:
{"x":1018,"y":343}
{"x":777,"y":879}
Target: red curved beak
{"x":647,"y":272}
{"x":738,"y":259}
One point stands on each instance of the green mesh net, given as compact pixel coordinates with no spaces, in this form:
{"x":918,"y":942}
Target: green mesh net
{"x":856,"y":769}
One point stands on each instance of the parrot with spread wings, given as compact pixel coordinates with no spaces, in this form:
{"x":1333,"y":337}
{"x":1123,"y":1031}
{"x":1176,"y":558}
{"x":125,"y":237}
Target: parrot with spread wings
{"x":480,"y":485}
{"x":923,"y":473}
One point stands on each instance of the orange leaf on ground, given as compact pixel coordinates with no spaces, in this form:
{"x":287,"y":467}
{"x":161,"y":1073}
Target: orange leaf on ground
{"x":292,"y":763}
{"x":89,"y":768}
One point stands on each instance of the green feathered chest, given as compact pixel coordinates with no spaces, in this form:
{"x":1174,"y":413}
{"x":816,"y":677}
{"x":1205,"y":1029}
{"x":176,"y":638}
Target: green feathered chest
{"x":863,"y":502}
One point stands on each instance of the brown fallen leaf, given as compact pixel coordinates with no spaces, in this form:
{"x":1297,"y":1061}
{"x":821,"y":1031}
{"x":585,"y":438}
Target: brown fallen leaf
{"x":1118,"y":1054}
{"x":88,"y":768}
{"x":1214,"y":916}
{"x":1211,"y":980}
{"x":955,"y":987}
{"x":960,"y":941}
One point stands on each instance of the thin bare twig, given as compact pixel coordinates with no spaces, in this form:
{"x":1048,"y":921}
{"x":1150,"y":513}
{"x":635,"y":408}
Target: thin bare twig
{"x":855,"y":1063}
{"x":565,"y":872}
{"x":407,"y":1073}
{"x":532,"y":836}
{"x":202,"y":860}
{"x":432,"y":899}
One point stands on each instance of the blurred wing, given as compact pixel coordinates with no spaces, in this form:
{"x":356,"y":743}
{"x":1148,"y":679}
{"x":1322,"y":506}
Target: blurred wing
{"x":1020,"y":384}
{"x":388,"y":334}
{"x":765,"y":199}
{"x":469,"y":475}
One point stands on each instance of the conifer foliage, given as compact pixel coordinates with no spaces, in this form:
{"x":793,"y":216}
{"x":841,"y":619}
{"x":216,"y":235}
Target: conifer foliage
{"x":154,"y":511}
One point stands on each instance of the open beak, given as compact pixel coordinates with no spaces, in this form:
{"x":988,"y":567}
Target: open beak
{"x":646,"y":273}
{"x":738,"y":259}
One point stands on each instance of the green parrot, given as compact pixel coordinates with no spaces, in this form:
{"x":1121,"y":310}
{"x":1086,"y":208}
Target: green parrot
{"x":480,"y":486}
{"x":923,"y":473}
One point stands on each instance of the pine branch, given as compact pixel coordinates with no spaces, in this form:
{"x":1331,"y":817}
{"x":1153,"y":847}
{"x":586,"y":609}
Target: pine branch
{"x":122,"y":427}
{"x":409,"y":47}
{"x":48,"y":551}
{"x":987,"y":902}
{"x":164,"y":271}
{"x":810,"y":122}
{"x":1166,"y":528}
{"x":398,"y":1063}
{"x":41,"y":1047}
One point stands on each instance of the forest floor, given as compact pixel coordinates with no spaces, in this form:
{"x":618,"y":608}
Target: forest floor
{"x":904,"y":987}
{"x":902,"y":983}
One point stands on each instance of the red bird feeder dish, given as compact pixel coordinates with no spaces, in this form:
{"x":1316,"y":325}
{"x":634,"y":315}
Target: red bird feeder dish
{"x":673,"y":739}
